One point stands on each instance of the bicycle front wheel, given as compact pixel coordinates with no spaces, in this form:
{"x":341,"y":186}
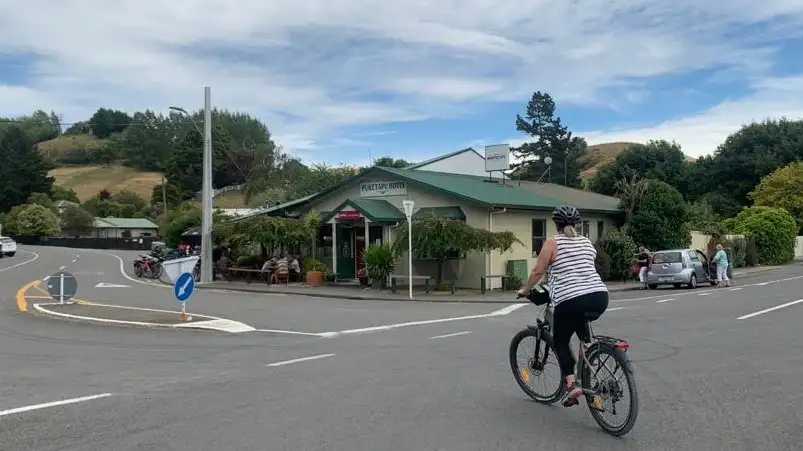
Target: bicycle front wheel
{"x":610,"y":377}
{"x":532,"y":365}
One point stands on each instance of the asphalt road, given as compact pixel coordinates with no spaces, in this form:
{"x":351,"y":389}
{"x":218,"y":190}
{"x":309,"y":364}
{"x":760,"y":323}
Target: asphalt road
{"x":707,"y":380}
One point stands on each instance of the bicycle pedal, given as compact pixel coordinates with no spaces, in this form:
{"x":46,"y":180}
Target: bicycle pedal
{"x":596,"y":403}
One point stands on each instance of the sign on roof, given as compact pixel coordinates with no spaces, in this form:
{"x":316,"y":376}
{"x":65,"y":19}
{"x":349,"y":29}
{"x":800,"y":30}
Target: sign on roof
{"x":497,"y":158}
{"x":383,"y":189}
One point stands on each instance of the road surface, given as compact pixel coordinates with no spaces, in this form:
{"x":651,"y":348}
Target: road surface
{"x":419,"y":376}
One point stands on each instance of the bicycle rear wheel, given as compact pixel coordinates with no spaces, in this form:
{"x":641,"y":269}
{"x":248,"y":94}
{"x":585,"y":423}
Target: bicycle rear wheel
{"x":535,"y":361}
{"x":601,"y":378}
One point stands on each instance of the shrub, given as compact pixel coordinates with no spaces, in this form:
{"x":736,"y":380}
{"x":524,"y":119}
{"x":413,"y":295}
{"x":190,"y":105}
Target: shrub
{"x":660,"y":218}
{"x":380,"y":262}
{"x":312,"y":264}
{"x":774,"y":231}
{"x":751,"y":252}
{"x":619,"y":247}
{"x":249,"y":261}
{"x":602,"y":262}
{"x":738,"y":251}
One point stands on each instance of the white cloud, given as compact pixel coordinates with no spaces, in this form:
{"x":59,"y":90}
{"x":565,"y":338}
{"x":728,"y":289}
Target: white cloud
{"x":700,"y":134}
{"x":314,"y":69}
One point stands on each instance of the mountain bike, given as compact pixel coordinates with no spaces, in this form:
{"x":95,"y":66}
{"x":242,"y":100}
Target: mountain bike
{"x":595,"y":352}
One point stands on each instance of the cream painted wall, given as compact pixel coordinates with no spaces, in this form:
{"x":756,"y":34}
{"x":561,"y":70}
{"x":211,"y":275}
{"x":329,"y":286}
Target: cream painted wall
{"x":466,"y":272}
{"x":520,"y":223}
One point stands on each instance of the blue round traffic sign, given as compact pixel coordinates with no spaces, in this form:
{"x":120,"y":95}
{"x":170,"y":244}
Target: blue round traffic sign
{"x":184,"y":286}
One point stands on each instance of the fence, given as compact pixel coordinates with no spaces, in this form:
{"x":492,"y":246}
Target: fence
{"x":127,"y":244}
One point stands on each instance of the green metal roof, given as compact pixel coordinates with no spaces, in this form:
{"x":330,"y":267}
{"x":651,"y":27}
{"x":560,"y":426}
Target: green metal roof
{"x":377,"y":210}
{"x":481,"y":190}
{"x":440,"y":212}
{"x":123,"y":223}
{"x":442,"y":157}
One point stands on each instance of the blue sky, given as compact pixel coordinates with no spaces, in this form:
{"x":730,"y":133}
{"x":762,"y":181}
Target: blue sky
{"x":336,"y":80}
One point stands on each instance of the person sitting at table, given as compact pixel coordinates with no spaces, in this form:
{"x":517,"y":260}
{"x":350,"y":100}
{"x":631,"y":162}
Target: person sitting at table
{"x":281,"y":270}
{"x":295,"y":268}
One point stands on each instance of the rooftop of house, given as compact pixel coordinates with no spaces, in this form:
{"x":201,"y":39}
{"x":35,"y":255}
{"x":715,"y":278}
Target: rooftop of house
{"x":443,"y":157}
{"x":123,"y":223}
{"x":485,"y":191}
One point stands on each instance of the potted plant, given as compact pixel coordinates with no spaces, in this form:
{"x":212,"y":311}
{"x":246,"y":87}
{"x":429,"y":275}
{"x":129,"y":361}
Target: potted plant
{"x":380,"y":262}
{"x":315,"y":271}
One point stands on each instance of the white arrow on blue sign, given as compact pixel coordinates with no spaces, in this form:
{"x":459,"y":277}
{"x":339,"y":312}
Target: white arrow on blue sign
{"x":185,"y":283}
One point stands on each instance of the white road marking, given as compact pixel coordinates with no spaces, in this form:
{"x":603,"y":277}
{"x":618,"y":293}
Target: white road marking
{"x":52,"y":404}
{"x":457,"y":334}
{"x":110,"y":285}
{"x":509,"y":309}
{"x":303,"y":359}
{"x":735,"y":289}
{"x":75,"y":260}
{"x":712,"y":290}
{"x":771,"y":309}
{"x":613,"y":309}
{"x":35,"y":257}
{"x":61,"y":268}
{"x":664,"y":300}
{"x":704,"y":294}
{"x":292,"y":332}
{"x":211,"y":322}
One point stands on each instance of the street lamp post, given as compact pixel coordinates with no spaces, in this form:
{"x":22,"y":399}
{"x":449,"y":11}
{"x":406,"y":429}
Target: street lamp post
{"x":408,"y":211}
{"x":206,"y":191}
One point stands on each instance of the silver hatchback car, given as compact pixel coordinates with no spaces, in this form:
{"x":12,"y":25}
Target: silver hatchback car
{"x":680,"y":267}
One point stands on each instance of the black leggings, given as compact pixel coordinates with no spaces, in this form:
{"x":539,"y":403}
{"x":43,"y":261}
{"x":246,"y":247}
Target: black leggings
{"x":569,"y":318}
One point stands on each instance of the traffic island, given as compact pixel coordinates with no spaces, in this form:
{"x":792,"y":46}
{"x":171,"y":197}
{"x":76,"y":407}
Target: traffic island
{"x":137,"y":317}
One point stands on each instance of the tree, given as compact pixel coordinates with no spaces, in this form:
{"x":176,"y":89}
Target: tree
{"x":58,"y":193}
{"x":33,"y":220}
{"x":659,"y":220}
{"x":782,"y":189}
{"x":773,"y":229}
{"x":106,"y":121}
{"x":441,"y":238}
{"x":75,"y":221}
{"x":185,"y":167}
{"x":658,"y":160}
{"x":756,"y":150}
{"x":41,"y":199}
{"x":22,"y":169}
{"x":39,"y":126}
{"x":126,"y":197}
{"x":550,"y":139}
{"x":389,"y":162}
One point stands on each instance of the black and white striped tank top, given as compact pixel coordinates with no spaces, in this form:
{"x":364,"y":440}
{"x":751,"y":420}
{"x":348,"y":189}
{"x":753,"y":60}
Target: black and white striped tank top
{"x":574,"y":274}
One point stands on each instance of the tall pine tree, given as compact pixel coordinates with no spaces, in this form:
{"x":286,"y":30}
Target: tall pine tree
{"x":23,"y":171}
{"x":548,"y":138}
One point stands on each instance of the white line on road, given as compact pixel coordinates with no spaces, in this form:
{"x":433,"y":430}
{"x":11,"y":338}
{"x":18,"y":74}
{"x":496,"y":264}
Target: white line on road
{"x":509,"y":309}
{"x":303,"y":359}
{"x":664,"y":300}
{"x":704,"y":294}
{"x":735,"y":289}
{"x":712,"y":290}
{"x":52,"y":404}
{"x":615,"y":308}
{"x":456,"y":334}
{"x":61,"y":268}
{"x":777,"y":307}
{"x":292,"y":332}
{"x":35,"y":257}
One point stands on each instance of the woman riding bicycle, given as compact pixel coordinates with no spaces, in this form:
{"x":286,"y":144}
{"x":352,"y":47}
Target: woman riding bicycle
{"x":575,"y":288}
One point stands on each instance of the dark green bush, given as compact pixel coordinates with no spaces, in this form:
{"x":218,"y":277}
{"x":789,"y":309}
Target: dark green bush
{"x":620,"y":248}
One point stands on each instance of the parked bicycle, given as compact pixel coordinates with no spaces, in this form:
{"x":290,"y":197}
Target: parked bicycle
{"x":592,"y":366}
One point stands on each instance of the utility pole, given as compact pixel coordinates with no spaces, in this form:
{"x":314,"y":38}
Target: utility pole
{"x":164,"y":195}
{"x":206,"y":218}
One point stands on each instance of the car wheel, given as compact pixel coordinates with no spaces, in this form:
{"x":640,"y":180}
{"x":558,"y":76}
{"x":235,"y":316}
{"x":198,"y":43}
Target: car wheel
{"x":693,"y":281}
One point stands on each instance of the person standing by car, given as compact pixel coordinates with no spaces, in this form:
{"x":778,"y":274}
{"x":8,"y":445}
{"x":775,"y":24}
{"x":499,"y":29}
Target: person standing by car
{"x":643,"y":262}
{"x":721,"y":258}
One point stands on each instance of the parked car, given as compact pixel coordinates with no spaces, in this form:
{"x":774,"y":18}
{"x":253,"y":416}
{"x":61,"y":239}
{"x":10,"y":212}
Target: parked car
{"x":680,"y":267}
{"x":8,"y":247}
